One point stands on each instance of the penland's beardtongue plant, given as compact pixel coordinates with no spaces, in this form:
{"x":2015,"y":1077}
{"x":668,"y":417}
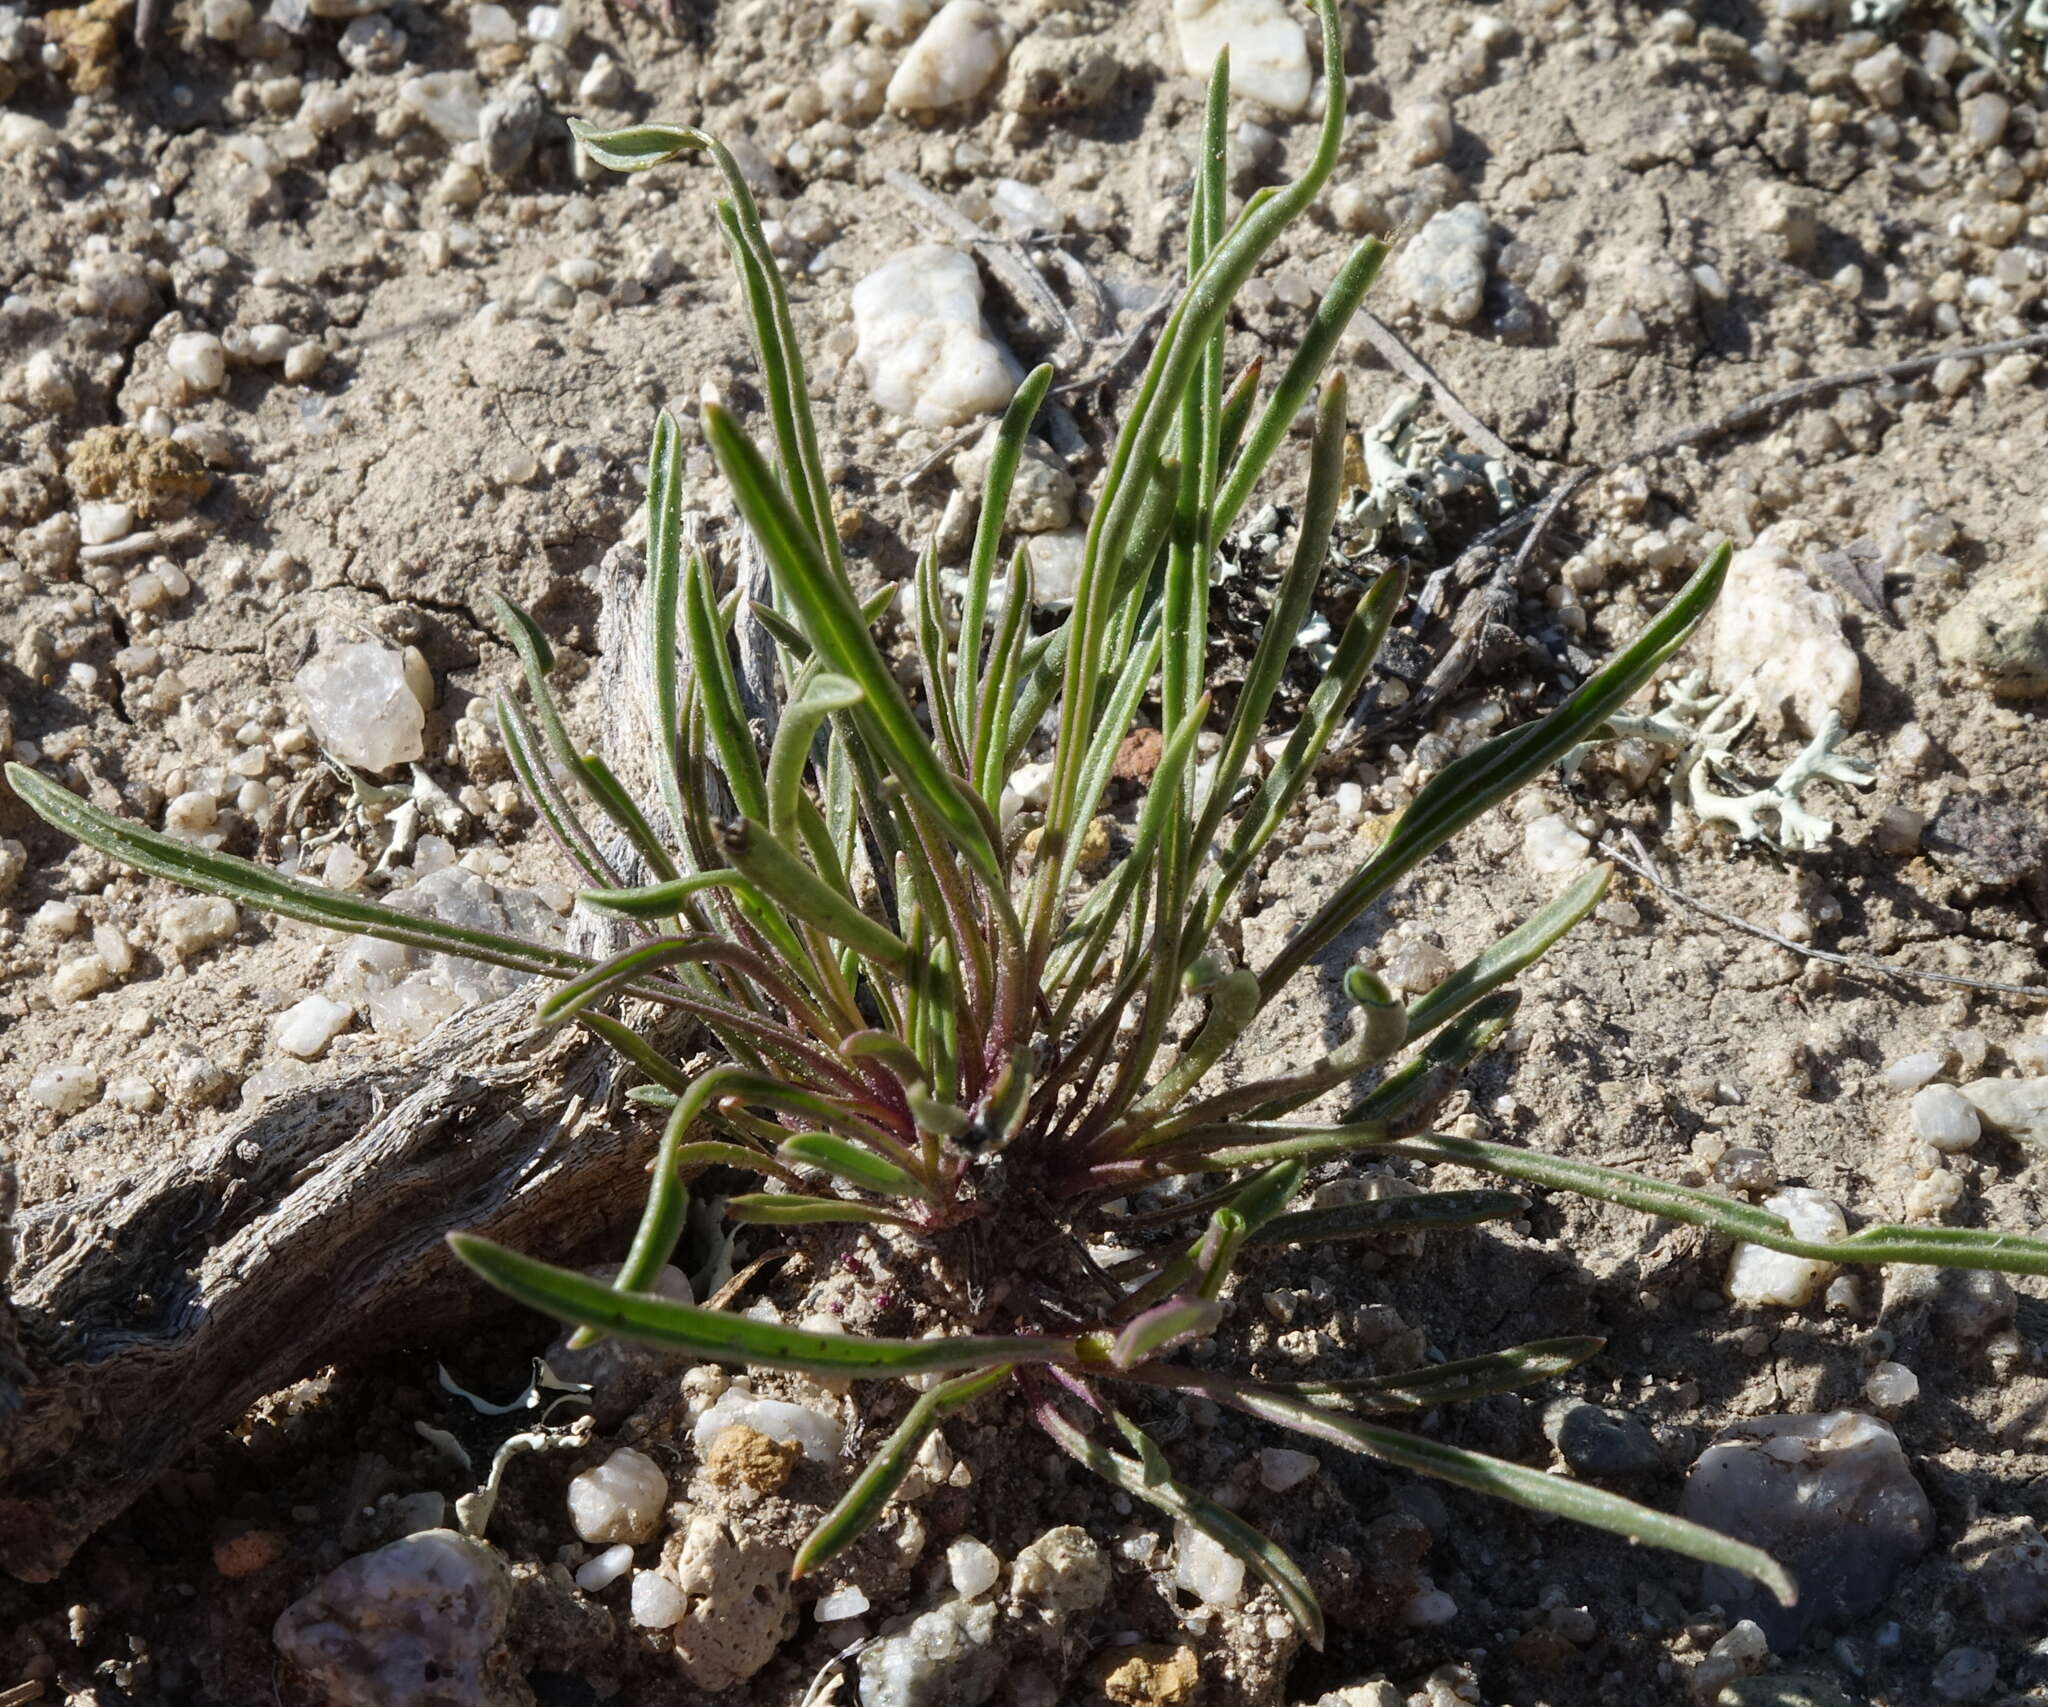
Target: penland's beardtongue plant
{"x":928,"y":1028}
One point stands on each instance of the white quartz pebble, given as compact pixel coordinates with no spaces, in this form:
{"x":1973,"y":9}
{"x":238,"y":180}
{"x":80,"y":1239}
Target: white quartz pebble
{"x":1281,"y":1468}
{"x":307,"y":1027}
{"x":621,"y":1499}
{"x":199,"y":360}
{"x":820,"y":1436}
{"x":1910,"y":1072}
{"x":657,"y":1602}
{"x":1206,"y":1569}
{"x":63,"y":1090}
{"x":955,"y":57}
{"x":1943,"y":1116}
{"x":1268,"y":49}
{"x":922,"y":342}
{"x":362,"y":707}
{"x":1552,"y":846}
{"x":841,"y":1603}
{"x":1760,"y":1276}
{"x":974,"y":1567}
{"x":594,"y":1575}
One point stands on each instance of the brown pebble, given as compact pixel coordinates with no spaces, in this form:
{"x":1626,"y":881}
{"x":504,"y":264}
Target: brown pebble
{"x":1148,"y":1675}
{"x":743,"y":1454}
{"x":1138,"y":756}
{"x":245,"y":1554}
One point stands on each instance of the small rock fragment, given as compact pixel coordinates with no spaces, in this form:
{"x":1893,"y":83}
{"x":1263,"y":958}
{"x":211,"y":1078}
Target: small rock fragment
{"x":190,"y":927}
{"x":738,"y":1603}
{"x":64,"y":1089}
{"x":1149,"y":1674}
{"x":955,"y":57}
{"x":1281,"y":1468}
{"x":419,"y":1623}
{"x":745,"y":1456}
{"x":1999,"y":629}
{"x":307,"y":1027}
{"x":507,"y":125}
{"x":1053,"y":74}
{"x":945,"y":1658}
{"x":595,"y":1575}
{"x":361,"y":706}
{"x":1599,"y":1442}
{"x":2016,"y":1107}
{"x":973,"y":1566}
{"x":1760,"y":1276}
{"x":621,"y":1499}
{"x":922,"y":341}
{"x":1064,"y":1571}
{"x":1268,"y":49}
{"x":1552,"y":846}
{"x":1783,"y":637}
{"x":1829,"y":1497}
{"x":1442,"y":269}
{"x":821,"y":1437}
{"x":450,"y":101}
{"x":656,"y":1603}
{"x":198,"y":359}
{"x":1945,"y":1118}
{"x":1206,"y":1568}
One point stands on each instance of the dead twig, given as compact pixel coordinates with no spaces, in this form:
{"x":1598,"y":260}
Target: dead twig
{"x":1645,"y":868}
{"x":1416,"y":371}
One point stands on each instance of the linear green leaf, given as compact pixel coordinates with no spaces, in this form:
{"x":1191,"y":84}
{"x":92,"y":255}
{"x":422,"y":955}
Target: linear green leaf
{"x":847,"y":1161}
{"x":1451,"y":1383}
{"x":1516,"y":1483}
{"x":1466,"y":787}
{"x":1140,"y":1479}
{"x":258,"y":886}
{"x":1508,"y":958}
{"x":792,"y":1209}
{"x":722,"y":1336}
{"x":863,"y":1502}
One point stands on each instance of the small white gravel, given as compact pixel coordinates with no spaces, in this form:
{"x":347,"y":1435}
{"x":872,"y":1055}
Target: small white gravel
{"x":841,"y":1603}
{"x":593,"y":1576}
{"x":1943,"y":1116}
{"x":1910,"y":1072}
{"x":1891,"y":1387}
{"x":308,"y":1026}
{"x":621,"y":1499}
{"x":64,"y":1090}
{"x":1759,"y":1276}
{"x":974,"y":1567}
{"x":1281,"y":1468}
{"x":1206,"y":1569}
{"x":199,"y":359}
{"x":657,"y":1602}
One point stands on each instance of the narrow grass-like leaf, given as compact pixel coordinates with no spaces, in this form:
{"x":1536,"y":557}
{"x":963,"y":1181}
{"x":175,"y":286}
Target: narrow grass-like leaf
{"x":722,"y":1336}
{"x":1450,"y":1383}
{"x":784,"y":879}
{"x":530,"y":766}
{"x":822,"y":695}
{"x":718,"y":689}
{"x":1471,"y":785}
{"x":1946,"y":1247}
{"x":1298,"y":382}
{"x":988,"y":537}
{"x":664,"y":601}
{"x":1161,"y":1328}
{"x":872,"y":1488}
{"x":258,"y":886}
{"x":831,"y":618}
{"x":1515,"y":1483}
{"x":660,"y":900}
{"x":1425,"y":1212}
{"x":779,"y":1209}
{"x":712,"y":1153}
{"x":1290,"y":608}
{"x":1508,"y":958}
{"x":849,"y":1162}
{"x":1140,"y":1478}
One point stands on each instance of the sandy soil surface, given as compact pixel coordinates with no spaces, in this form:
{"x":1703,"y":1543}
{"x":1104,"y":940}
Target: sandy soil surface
{"x":442,"y":357}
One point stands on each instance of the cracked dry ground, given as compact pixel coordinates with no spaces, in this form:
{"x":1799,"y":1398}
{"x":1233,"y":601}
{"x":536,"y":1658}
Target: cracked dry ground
{"x":1721,"y":177}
